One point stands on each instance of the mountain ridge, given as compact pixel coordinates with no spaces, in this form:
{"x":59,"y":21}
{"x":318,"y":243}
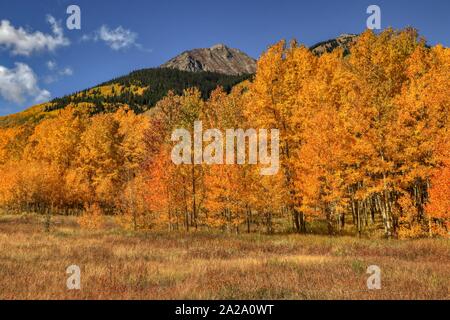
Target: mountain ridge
{"x":344,"y":41}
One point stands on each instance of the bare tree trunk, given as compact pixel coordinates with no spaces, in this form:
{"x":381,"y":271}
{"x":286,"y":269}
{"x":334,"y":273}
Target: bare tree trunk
{"x":249,"y":218}
{"x":194,"y":198}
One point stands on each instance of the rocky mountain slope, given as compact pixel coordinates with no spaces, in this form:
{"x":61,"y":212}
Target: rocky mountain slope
{"x":343,"y":41}
{"x":218,"y":58}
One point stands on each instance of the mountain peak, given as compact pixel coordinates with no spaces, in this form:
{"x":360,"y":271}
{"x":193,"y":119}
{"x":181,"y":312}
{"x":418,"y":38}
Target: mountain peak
{"x":218,"y":58}
{"x":219,"y":46}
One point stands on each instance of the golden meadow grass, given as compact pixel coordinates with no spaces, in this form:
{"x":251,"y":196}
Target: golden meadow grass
{"x":121,"y":265}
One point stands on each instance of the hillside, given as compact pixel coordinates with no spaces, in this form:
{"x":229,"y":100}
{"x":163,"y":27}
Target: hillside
{"x":143,"y":88}
{"x":140,"y":90}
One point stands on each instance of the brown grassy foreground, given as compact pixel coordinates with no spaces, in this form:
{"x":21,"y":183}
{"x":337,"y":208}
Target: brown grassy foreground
{"x":119,"y":265}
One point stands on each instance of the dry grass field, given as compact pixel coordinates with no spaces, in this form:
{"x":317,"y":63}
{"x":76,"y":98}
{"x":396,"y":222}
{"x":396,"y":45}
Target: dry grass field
{"x":119,"y":265}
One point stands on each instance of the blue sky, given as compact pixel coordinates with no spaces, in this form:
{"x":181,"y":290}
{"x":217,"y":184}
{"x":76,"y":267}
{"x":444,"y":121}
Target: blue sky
{"x":143,"y":33}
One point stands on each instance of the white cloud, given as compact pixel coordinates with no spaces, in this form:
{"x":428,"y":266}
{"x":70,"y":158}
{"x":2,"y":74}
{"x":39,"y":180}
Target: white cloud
{"x":49,"y":79}
{"x":66,"y":71}
{"x":20,"y":83}
{"x":57,"y":72}
{"x":22,"y":42}
{"x":43,"y":96}
{"x":51,"y":65}
{"x":116,"y":39}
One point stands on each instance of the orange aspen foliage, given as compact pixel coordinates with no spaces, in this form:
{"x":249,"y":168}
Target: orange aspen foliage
{"x":438,"y":208}
{"x":92,"y":218}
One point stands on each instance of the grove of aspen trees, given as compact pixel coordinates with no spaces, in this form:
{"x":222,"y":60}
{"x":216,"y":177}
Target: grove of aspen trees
{"x":364,"y":150}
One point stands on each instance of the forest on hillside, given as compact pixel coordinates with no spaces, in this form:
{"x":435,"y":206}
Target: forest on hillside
{"x":156,"y":83}
{"x":364,"y":146}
